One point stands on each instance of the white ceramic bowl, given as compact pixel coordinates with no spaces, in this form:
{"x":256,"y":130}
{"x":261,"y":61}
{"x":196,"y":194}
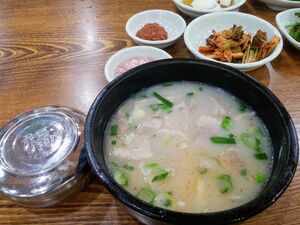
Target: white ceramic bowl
{"x":193,"y":12}
{"x":131,"y":52}
{"x":285,"y":18}
{"x":199,"y":30}
{"x":281,"y":4}
{"x":172,"y":22}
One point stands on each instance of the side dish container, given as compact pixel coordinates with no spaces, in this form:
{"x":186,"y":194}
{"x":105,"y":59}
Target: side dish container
{"x":42,"y":159}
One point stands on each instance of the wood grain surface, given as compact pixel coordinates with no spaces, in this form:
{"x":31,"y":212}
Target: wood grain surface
{"x":54,"y":52}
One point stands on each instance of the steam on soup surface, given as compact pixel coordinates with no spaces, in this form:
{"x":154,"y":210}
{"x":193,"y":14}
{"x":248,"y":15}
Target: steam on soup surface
{"x":188,"y":147}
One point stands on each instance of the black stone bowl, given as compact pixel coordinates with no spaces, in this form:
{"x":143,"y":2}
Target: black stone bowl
{"x":239,"y":84}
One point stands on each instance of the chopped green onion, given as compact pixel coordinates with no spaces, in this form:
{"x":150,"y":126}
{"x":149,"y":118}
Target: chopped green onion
{"x":252,"y":142}
{"x":167,"y":84}
{"x":170,"y":193}
{"x":151,"y":165}
{"x":258,"y":147}
{"x":260,"y":178}
{"x":243,"y":172}
{"x":242,"y":106}
{"x":114,"y":130}
{"x":146,"y":194}
{"x":248,"y":140}
{"x":163,"y":200}
{"x":226,"y":123}
{"x":225,"y":183}
{"x":190,"y":94}
{"x":223,"y":140}
{"x":161,"y":176}
{"x":121,"y":178}
{"x":163,"y":100}
{"x":128,"y":167}
{"x":200,"y":88}
{"x":257,"y":132}
{"x":245,"y":139}
{"x":113,"y":142}
{"x":261,"y":156}
{"x":114,"y":164}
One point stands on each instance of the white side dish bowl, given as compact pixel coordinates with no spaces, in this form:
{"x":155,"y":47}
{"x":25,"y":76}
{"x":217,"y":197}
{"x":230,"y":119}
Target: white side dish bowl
{"x":285,"y":18}
{"x":195,"y":12}
{"x":201,"y":28}
{"x":172,"y":23}
{"x":125,"y":54}
{"x":281,"y":4}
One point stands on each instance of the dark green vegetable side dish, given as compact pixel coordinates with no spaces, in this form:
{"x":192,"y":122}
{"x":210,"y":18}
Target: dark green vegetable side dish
{"x":294,"y":28}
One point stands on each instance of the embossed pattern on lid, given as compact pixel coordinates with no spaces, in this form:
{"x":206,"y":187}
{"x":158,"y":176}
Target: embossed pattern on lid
{"x":41,"y":155}
{"x":37,"y":143}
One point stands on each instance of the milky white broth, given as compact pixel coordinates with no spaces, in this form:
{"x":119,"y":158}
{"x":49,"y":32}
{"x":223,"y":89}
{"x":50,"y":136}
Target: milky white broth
{"x":207,"y":152}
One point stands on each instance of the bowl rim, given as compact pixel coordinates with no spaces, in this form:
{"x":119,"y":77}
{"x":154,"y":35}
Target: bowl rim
{"x":285,"y":3}
{"x":242,"y":66}
{"x":283,"y":29}
{"x":107,"y":71}
{"x":179,"y":32}
{"x":191,"y":9}
{"x":232,"y":215}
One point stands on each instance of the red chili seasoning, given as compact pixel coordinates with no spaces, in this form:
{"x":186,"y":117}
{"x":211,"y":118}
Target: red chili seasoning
{"x":152,"y":32}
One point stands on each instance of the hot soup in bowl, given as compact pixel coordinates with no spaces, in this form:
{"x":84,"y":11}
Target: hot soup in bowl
{"x":183,"y":141}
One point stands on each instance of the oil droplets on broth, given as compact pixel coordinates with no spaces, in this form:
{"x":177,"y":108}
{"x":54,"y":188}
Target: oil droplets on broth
{"x":188,"y":147}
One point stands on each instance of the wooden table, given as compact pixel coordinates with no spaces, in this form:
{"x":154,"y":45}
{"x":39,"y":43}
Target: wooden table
{"x":54,"y":52}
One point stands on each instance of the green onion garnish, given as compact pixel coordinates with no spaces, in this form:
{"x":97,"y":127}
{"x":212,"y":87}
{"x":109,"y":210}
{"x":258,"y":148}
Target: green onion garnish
{"x":223,"y":140}
{"x":114,"y":164}
{"x":242,"y":106}
{"x":200,"y":88}
{"x":161,"y":176}
{"x":121,"y":178}
{"x":128,"y":167}
{"x":260,"y":178}
{"x":261,"y":156}
{"x":190,"y":94}
{"x":258,"y":146}
{"x":167,"y":203}
{"x":245,"y":137}
{"x":226,"y":123}
{"x":114,"y":130}
{"x":170,"y":193}
{"x":257,"y":132}
{"x":146,"y":194}
{"x":151,"y":165}
{"x":113,"y":142}
{"x":163,"y":200}
{"x":163,"y":100}
{"x":225,"y":183}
